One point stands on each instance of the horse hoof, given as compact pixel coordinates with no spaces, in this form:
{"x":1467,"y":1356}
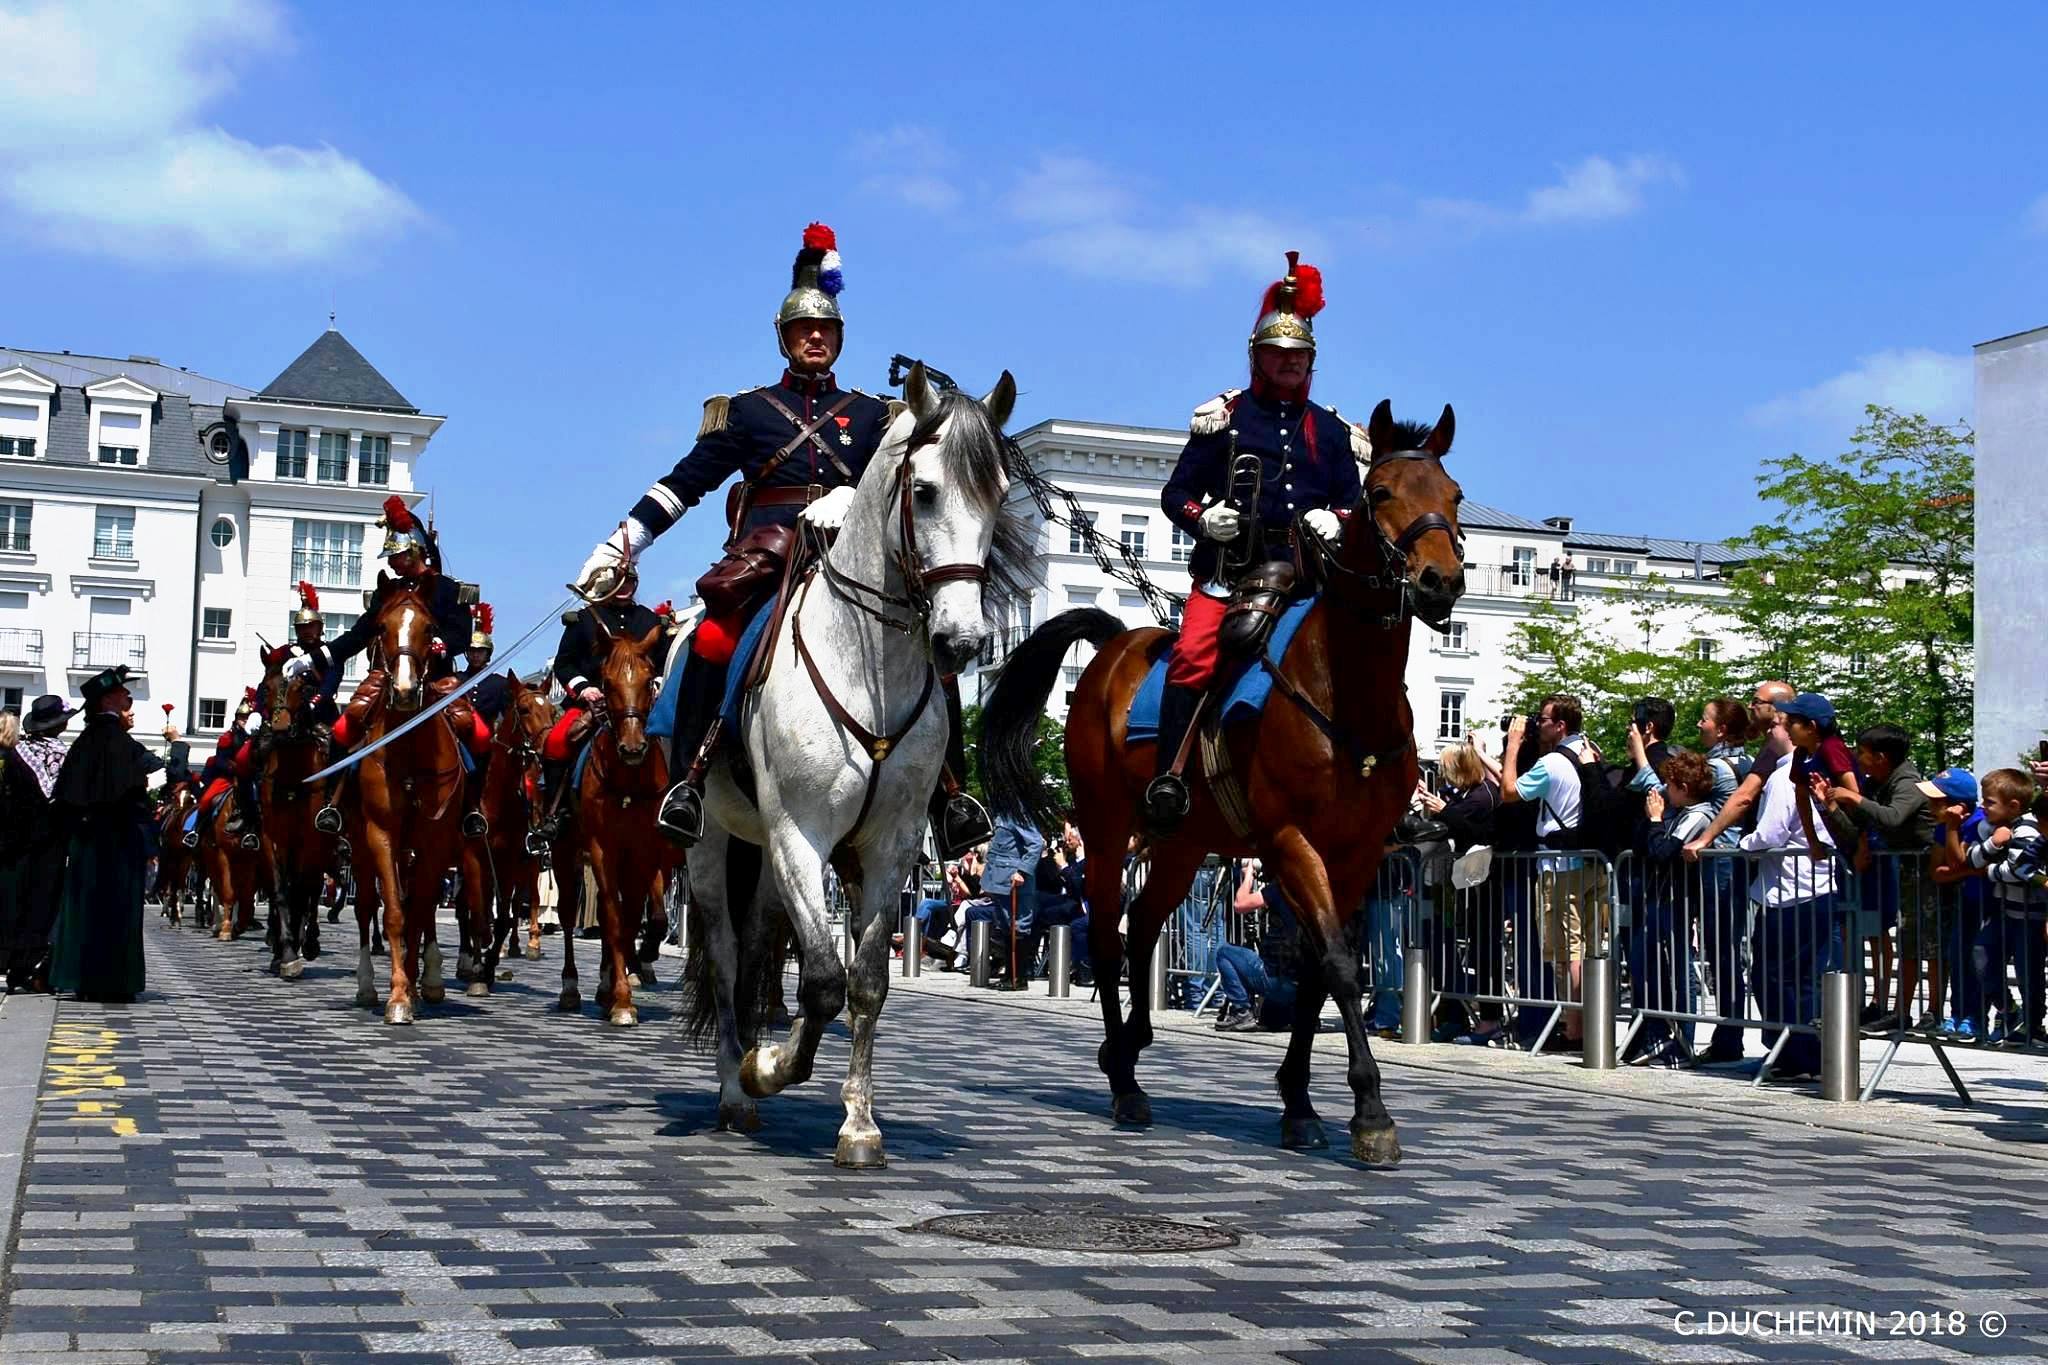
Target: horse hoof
{"x":432,"y":993}
{"x":1133,"y":1110}
{"x":476,"y":990}
{"x":645,"y":972}
{"x":293,"y":970}
{"x":367,"y":1000}
{"x":398,"y":1012}
{"x":739,"y":1118}
{"x":533,"y":952}
{"x":623,"y":1016}
{"x":1376,"y":1146}
{"x":862,"y":1153}
{"x":570,"y":1003}
{"x":311,"y":952}
{"x":757,"y":1068}
{"x":1302,"y":1135}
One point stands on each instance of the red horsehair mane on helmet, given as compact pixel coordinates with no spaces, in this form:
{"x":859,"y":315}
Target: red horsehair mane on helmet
{"x":484,"y":617}
{"x":1308,"y":289}
{"x":308,"y":598}
{"x":396,"y":514}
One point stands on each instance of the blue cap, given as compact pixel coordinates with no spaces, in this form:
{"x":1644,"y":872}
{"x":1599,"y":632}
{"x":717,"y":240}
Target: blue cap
{"x":1951,"y":784}
{"x":1811,"y":706}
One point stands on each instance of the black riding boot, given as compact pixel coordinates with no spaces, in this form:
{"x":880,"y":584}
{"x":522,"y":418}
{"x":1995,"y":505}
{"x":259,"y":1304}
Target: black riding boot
{"x":1166,"y":799}
{"x":554,"y":796}
{"x":328,"y":818}
{"x":959,"y":822}
{"x":247,"y":817}
{"x":682,"y":810}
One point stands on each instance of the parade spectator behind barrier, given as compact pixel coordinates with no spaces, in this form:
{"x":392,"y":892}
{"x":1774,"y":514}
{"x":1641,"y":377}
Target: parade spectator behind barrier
{"x":1009,"y":884}
{"x":1675,"y":893}
{"x":2010,"y":852}
{"x":1571,"y":893}
{"x":1258,"y":985}
{"x":1724,"y":921}
{"x":1737,"y":812}
{"x":1393,"y":904}
{"x":1469,"y":813}
{"x":1649,"y":736}
{"x":1952,"y":796}
{"x":1892,"y":814}
{"x":1514,"y":878}
{"x":1818,"y":750}
{"x":1793,"y":900}
{"x":39,"y":879}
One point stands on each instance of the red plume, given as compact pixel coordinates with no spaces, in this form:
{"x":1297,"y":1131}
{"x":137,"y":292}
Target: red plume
{"x":249,"y":695}
{"x":821,"y":238}
{"x":484,"y":617}
{"x":1308,"y":297}
{"x":308,"y":599}
{"x":665,"y":609}
{"x":396,"y":514}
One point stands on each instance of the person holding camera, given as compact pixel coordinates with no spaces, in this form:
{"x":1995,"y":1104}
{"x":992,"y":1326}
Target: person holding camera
{"x":1570,"y":891}
{"x":1468,"y":816}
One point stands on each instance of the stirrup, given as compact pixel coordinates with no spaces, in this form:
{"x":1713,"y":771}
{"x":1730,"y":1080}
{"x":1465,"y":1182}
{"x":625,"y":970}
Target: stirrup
{"x":682,"y":815}
{"x":190,"y":838}
{"x":252,"y":841}
{"x":328,"y":820}
{"x":962,"y":824}
{"x":473,"y":826}
{"x":1166,"y":804}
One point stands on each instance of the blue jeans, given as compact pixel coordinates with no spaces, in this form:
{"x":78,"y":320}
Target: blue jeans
{"x":1792,"y":946}
{"x":1384,"y":919}
{"x":1075,"y":918}
{"x":1724,"y":922}
{"x":1534,"y":979}
{"x":1243,"y":975}
{"x":934,"y":917}
{"x":2011,"y":942}
{"x":1962,"y":919}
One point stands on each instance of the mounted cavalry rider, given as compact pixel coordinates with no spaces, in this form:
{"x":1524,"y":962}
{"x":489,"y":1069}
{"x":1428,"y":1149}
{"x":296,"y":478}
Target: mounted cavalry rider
{"x":1260,"y":464}
{"x":415,"y":561}
{"x":231,"y":766}
{"x":308,"y":654}
{"x":799,"y":446}
{"x":587,"y":634}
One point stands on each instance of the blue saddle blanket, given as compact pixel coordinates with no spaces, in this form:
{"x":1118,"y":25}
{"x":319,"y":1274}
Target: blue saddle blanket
{"x":1247,"y":695}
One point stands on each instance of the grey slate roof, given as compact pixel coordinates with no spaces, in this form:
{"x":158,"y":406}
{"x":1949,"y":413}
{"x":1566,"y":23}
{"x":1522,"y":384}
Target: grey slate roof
{"x":173,"y":439}
{"x":83,"y":371}
{"x":332,"y":373}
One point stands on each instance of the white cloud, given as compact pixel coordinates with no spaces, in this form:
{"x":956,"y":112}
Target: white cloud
{"x":1931,"y":383}
{"x":1590,"y":191}
{"x":103,"y":147}
{"x":1070,"y":189}
{"x":910,"y":164}
{"x":2037,"y":216}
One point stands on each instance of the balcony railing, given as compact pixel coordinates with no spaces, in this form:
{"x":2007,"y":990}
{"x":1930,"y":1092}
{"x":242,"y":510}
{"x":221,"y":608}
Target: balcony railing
{"x":328,"y":568}
{"x":1505,"y":580}
{"x":90,"y":649}
{"x":21,"y":645}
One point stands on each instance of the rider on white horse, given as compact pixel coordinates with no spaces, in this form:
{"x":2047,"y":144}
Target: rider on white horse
{"x":799,"y":445}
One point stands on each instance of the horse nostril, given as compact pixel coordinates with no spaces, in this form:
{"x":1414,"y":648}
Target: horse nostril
{"x":1432,"y":579}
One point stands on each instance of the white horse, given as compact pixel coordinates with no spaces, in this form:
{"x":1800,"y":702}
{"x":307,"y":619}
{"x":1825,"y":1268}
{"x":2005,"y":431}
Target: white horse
{"x":844,"y":741}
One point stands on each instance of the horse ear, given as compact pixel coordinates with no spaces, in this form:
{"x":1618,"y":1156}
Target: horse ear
{"x":1379,"y":429}
{"x":1439,"y":442}
{"x":1001,"y":400}
{"x":652,"y":638}
{"x":917,"y":392}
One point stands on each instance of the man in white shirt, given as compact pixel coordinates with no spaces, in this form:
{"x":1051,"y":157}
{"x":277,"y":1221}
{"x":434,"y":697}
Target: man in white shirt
{"x":1573,"y":894}
{"x":1793,"y":940}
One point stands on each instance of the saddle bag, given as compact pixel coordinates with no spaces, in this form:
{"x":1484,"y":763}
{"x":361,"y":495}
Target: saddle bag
{"x":1262,"y":595}
{"x":751,"y":568}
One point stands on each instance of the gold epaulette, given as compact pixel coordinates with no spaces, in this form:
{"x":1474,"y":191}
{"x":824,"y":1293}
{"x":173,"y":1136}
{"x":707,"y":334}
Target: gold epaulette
{"x":1214,"y":415}
{"x":1361,"y":444}
{"x":717,"y":411}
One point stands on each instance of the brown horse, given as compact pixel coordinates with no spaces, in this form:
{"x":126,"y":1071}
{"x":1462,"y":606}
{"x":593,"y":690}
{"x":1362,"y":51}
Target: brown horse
{"x":508,"y":807}
{"x":1325,"y":770}
{"x":233,"y":871}
{"x":406,"y":827}
{"x":616,"y":801}
{"x":173,"y":860}
{"x":299,"y":856}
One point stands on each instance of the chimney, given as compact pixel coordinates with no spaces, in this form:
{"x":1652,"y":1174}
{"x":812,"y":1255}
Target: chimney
{"x":1699,"y":560}
{"x":1563,"y":524}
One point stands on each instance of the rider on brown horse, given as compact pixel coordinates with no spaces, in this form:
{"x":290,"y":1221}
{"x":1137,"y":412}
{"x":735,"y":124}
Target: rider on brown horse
{"x":1255,"y":460}
{"x":415,"y":561}
{"x":799,"y":446}
{"x":587,"y":636}
{"x":231,"y":767}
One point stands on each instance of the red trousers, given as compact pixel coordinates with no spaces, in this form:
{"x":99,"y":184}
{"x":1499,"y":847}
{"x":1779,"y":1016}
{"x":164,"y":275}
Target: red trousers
{"x":1194,"y":657}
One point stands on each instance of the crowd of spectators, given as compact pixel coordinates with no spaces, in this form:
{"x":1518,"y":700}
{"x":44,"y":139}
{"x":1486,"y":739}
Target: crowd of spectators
{"x":1020,"y":878}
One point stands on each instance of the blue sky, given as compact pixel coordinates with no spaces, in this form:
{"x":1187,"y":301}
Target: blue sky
{"x":1639,"y":251}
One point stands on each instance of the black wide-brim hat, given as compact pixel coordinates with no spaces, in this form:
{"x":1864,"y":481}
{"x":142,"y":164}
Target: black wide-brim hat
{"x":105,"y":681}
{"x":48,"y":715}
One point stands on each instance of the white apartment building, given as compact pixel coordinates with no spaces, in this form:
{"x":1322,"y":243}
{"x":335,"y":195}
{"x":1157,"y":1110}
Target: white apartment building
{"x":1458,"y":678}
{"x":153,"y":517}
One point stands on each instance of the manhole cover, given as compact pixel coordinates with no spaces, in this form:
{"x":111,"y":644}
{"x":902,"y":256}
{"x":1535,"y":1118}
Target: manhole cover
{"x":1132,"y":1234}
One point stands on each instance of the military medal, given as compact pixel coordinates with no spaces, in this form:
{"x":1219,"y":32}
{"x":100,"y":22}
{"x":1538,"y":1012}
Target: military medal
{"x":845,"y":436}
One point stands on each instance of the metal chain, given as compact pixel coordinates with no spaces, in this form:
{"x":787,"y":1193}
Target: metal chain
{"x":1062,"y":508}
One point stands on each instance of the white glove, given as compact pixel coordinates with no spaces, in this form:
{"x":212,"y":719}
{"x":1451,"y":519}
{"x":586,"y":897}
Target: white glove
{"x":1221,"y":523}
{"x":599,"y":576}
{"x":296,"y":665}
{"x":828,"y":513}
{"x":592,"y":695}
{"x":1323,"y":522}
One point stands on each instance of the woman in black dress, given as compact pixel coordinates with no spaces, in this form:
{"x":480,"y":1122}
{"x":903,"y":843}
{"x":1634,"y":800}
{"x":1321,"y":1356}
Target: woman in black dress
{"x":103,"y":801}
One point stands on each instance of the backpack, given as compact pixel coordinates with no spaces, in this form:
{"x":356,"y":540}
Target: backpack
{"x":1606,"y":820}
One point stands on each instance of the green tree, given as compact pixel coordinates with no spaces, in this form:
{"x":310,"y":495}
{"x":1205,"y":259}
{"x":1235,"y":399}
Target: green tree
{"x":1862,"y":586}
{"x":1049,"y":755}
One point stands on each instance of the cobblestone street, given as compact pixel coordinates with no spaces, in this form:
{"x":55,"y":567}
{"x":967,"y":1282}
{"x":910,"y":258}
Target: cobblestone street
{"x":238,"y":1168}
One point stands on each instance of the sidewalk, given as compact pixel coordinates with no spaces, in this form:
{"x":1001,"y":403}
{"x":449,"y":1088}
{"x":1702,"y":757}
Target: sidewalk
{"x":1916,"y":1104}
{"x":25,"y":1022}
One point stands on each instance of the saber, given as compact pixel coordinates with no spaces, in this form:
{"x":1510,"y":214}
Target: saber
{"x":442,"y":703}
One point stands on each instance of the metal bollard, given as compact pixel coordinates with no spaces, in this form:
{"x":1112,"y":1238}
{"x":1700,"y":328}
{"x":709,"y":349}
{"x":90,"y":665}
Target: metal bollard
{"x":1597,"y":975}
{"x":1059,"y":962}
{"x":1157,"y":976}
{"x":913,"y":946}
{"x":1841,"y":1060}
{"x":977,"y":953}
{"x":1415,"y":999}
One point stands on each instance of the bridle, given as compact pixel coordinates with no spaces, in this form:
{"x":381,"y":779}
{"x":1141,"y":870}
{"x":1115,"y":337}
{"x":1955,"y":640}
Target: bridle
{"x":420,"y":657}
{"x":1395,"y":551}
{"x":919,"y":579}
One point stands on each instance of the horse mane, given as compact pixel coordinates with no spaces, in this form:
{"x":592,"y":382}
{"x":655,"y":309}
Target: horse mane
{"x":1411,"y":435}
{"x":981,"y":457}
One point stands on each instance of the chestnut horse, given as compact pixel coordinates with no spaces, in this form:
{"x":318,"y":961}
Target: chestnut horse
{"x":406,"y":826}
{"x":617,"y":798}
{"x":1326,"y":769}
{"x":173,"y":859}
{"x":299,"y":856}
{"x":234,"y":872}
{"x":508,"y":804}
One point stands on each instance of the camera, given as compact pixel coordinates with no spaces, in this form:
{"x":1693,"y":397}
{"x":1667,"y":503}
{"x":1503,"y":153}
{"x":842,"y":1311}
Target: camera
{"x":1639,"y":715}
{"x":1507,"y":722}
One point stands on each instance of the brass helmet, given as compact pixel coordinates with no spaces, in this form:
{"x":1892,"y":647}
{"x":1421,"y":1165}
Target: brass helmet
{"x":1288,"y":306}
{"x":402,"y":531}
{"x":308,"y":613}
{"x":480,"y":633}
{"x":814,"y":284}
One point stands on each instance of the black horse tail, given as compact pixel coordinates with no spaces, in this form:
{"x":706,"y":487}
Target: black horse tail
{"x":1009,"y":722}
{"x":757,"y":987}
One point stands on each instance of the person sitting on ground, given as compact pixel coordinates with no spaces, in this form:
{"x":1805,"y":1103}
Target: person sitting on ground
{"x":1258,"y":985}
{"x":1893,"y":814}
{"x":2015,"y":863}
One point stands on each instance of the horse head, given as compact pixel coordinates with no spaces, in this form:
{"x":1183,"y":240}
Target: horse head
{"x":282,"y":697}
{"x":628,"y":681}
{"x":528,"y":717}
{"x":946,"y":513}
{"x":1411,"y":506}
{"x":405,"y":635}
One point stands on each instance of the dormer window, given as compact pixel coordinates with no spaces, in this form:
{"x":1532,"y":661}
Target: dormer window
{"x":120,"y":414}
{"x":25,"y":398}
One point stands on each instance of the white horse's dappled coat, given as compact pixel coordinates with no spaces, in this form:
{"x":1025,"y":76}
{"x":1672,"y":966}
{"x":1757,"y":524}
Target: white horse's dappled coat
{"x":812,"y":775}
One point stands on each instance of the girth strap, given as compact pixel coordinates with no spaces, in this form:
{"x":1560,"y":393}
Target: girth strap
{"x":1340,"y":739}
